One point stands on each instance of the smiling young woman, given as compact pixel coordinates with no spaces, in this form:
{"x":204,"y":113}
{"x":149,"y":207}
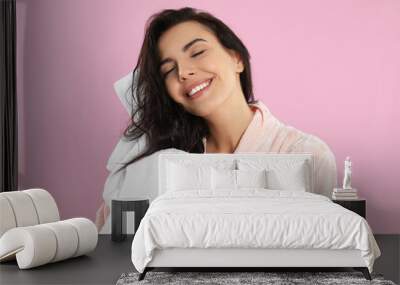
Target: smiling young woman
{"x":194,"y":84}
{"x":194,"y":93}
{"x":204,"y":77}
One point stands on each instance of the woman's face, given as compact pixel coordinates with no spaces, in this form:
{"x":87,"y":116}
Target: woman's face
{"x":191,"y":56}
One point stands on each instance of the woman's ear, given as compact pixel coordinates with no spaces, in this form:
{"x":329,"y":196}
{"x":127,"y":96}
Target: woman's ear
{"x":237,"y":60}
{"x":240,"y":65}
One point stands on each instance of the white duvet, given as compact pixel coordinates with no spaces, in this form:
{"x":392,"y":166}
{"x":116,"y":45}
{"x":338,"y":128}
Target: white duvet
{"x":250,"y":218}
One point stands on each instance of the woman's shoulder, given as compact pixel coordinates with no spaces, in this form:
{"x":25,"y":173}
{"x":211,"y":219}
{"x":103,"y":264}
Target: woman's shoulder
{"x":320,"y":149}
{"x":282,"y":137}
{"x":308,"y":142}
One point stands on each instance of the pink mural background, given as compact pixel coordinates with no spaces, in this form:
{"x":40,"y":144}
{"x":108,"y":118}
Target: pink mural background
{"x":329,"y":68}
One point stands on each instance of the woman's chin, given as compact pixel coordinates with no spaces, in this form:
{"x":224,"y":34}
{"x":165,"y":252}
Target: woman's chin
{"x":207,"y":109}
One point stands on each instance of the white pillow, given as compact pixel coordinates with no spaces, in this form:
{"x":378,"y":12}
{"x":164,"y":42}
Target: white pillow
{"x":224,"y":179}
{"x":235,"y":179}
{"x":187,"y":177}
{"x":282,"y":174}
{"x":289,"y":179}
{"x":251,"y":178}
{"x":123,"y":88}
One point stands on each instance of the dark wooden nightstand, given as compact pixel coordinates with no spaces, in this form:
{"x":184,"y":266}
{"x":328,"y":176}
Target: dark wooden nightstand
{"x":119,"y":207}
{"x":358,"y":206}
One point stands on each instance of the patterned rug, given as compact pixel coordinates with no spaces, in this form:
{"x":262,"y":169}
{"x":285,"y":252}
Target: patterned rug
{"x":269,"y":278}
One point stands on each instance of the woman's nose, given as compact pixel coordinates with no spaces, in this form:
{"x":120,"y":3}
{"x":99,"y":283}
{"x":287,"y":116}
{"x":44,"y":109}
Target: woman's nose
{"x":185,"y":72}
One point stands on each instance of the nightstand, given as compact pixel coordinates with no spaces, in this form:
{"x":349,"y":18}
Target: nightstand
{"x":119,"y":207}
{"x":358,"y":206}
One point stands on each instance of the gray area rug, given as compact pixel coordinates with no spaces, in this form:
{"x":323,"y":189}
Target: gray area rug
{"x":229,"y":278}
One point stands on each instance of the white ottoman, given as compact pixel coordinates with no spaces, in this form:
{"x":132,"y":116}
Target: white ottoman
{"x":31,"y":232}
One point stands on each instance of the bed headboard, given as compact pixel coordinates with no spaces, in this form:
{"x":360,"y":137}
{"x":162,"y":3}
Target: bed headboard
{"x":216,"y":158}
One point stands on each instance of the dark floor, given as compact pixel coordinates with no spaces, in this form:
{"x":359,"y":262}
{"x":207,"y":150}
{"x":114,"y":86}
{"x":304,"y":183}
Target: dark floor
{"x":102,"y":266}
{"x":111,"y":259}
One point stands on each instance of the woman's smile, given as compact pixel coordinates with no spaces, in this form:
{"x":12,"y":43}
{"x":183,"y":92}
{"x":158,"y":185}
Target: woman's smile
{"x":199,"y":90}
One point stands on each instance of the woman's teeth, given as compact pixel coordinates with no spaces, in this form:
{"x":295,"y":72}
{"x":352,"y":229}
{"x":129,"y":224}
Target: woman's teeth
{"x":199,"y":87}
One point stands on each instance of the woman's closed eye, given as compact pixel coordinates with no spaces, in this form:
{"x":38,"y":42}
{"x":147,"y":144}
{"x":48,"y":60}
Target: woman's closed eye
{"x":194,"y":55}
{"x":198,"y":53}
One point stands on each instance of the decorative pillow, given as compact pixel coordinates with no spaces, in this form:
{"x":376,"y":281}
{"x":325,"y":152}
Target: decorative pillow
{"x":235,"y":179}
{"x":251,"y":178}
{"x":289,"y":179}
{"x":223,"y":163}
{"x":183,"y":177}
{"x":284,"y":174}
{"x":224,"y":179}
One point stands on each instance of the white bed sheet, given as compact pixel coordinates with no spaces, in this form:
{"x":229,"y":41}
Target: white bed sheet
{"x":250,"y":218}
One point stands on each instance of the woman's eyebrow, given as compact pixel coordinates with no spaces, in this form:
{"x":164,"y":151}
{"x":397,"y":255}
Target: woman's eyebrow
{"x":185,"y":48}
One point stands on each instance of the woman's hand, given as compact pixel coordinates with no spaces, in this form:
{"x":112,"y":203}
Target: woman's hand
{"x":101,"y":215}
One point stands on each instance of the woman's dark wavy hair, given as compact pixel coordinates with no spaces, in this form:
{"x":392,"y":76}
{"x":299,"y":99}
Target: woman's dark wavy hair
{"x":166,"y":123}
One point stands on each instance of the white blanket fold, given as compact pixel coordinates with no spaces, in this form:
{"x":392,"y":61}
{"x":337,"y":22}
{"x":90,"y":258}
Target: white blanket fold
{"x":250,"y":218}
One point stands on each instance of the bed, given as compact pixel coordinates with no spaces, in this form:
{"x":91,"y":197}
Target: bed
{"x":244,"y":211}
